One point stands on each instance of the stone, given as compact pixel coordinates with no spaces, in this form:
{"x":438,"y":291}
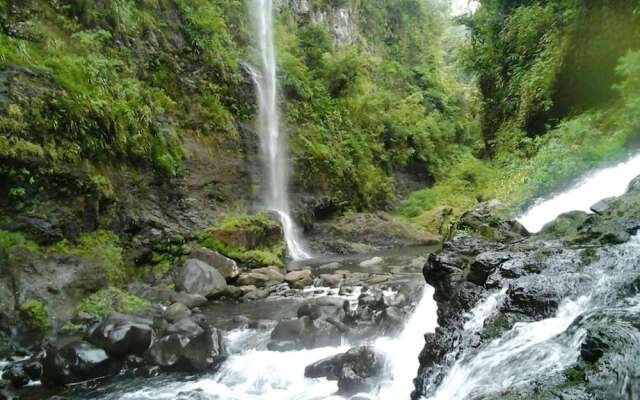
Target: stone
{"x":76,"y":361}
{"x":299,"y":279}
{"x":331,"y":280}
{"x":354,"y":370}
{"x":226,"y":266}
{"x":253,"y":279}
{"x":254,"y":295}
{"x":371,"y":262}
{"x":16,"y":374}
{"x":602,"y":206}
{"x":197,"y":277}
{"x":176,"y":312}
{"x":187,"y":346}
{"x":189,"y":300}
{"x":273,"y":273}
{"x":120,"y":335}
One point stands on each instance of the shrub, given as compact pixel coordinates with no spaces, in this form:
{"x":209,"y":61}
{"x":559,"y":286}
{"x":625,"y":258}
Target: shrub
{"x":35,"y":313}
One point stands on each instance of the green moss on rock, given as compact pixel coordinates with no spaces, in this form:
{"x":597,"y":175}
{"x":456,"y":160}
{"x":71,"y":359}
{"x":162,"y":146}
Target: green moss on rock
{"x":254,"y":240}
{"x":102,"y":247}
{"x":35,"y":313}
{"x":110,"y":300}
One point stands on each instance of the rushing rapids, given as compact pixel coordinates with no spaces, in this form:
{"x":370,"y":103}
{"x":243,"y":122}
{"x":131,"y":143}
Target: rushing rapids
{"x":601,"y":184}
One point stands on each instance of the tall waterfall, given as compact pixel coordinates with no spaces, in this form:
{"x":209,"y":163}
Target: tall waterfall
{"x":273,"y":144}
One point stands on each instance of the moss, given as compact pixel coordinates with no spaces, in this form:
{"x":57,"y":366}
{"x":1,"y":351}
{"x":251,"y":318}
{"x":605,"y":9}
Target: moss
{"x":102,"y":247}
{"x":110,"y":300}
{"x":36,"y":313}
{"x":254,"y":240}
{"x":496,"y":326}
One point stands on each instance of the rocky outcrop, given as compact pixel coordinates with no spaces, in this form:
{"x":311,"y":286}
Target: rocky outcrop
{"x":569,"y":258}
{"x":361,"y":233}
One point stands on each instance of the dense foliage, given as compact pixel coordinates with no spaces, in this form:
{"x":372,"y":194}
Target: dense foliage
{"x":560,"y":93}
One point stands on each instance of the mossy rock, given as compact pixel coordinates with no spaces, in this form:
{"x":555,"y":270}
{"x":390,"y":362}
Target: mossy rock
{"x":110,"y":300}
{"x":35,"y":314}
{"x":254,"y":240}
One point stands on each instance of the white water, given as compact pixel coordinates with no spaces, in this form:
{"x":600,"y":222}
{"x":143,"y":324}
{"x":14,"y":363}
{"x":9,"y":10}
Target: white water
{"x":608,"y":182}
{"x":533,"y":350}
{"x":402,"y":352}
{"x":484,"y":310}
{"x":273,"y":144}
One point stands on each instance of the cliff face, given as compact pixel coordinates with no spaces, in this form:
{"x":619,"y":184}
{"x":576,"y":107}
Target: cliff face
{"x":126,"y":127}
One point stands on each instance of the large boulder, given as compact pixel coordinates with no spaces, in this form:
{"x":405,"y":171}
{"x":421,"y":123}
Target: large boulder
{"x":121,"y":335}
{"x":76,"y":361}
{"x":198,"y":277}
{"x":356,"y":370}
{"x":226,"y":266}
{"x":299,"y":279}
{"x":188,"y":346}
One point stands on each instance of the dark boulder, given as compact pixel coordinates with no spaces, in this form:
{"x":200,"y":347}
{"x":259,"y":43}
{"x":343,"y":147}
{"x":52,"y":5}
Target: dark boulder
{"x":16,"y":374}
{"x":121,"y":335}
{"x":76,"y":361}
{"x":188,"y":346}
{"x":356,"y":370}
{"x":198,"y":277}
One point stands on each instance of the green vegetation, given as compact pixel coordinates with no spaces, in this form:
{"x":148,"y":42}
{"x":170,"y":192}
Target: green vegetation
{"x":110,"y":300}
{"x":560,"y":96}
{"x":253,"y":240}
{"x":102,"y":247}
{"x":381,"y":103}
{"x":35,"y":313}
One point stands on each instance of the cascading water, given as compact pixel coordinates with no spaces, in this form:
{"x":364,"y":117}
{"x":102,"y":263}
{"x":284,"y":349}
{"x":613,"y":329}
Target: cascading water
{"x":532,"y":350}
{"x":608,"y":182}
{"x":273,"y":144}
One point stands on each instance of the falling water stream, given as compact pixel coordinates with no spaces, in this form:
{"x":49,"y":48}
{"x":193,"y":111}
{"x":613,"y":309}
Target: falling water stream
{"x":273,"y":144}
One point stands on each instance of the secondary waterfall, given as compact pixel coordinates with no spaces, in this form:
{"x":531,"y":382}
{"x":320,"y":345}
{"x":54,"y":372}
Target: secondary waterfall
{"x":602,"y":184}
{"x":273,"y":144}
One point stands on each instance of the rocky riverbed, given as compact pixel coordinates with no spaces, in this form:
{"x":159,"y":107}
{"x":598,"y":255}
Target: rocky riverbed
{"x":191,"y":329}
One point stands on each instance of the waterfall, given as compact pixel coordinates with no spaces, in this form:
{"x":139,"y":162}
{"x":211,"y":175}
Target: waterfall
{"x":604,"y":183}
{"x":273,"y":144}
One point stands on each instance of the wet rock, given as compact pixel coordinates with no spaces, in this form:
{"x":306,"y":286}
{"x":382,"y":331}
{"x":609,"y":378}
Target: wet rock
{"x":226,"y":266}
{"x":120,"y":335}
{"x":331,"y":280}
{"x":299,"y":279}
{"x":602,"y":206}
{"x":237,"y":292}
{"x":484,"y":264}
{"x":76,"y":362}
{"x":330,"y":266}
{"x":257,"y":294}
{"x":272,"y":273}
{"x":371,"y":262}
{"x":197,"y":277}
{"x":188,"y":346}
{"x":189,"y":300}
{"x":176,"y":312}
{"x":354,"y":370}
{"x":16,"y":374}
{"x":253,"y":279}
